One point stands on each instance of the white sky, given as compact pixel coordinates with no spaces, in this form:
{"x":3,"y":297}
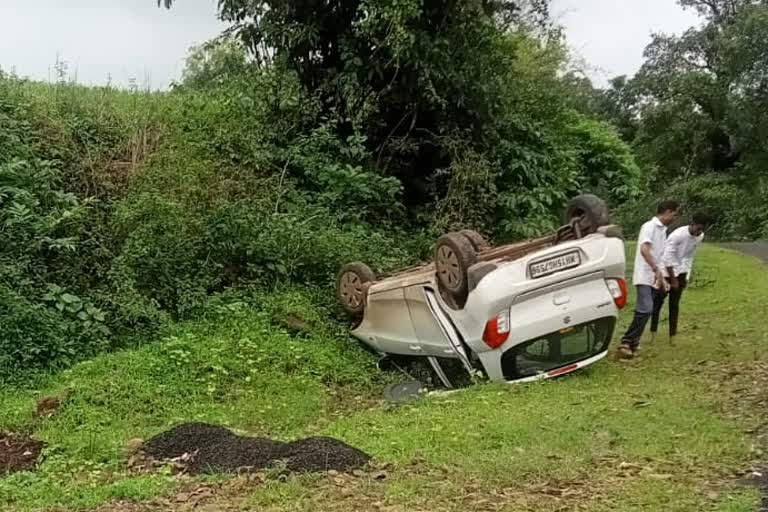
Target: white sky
{"x":134,"y":39}
{"x":612,"y":34}
{"x":129,"y":39}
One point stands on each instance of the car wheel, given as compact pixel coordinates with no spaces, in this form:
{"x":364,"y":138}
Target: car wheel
{"x":475,"y":238}
{"x":351,"y":286}
{"x":590,"y":211}
{"x":454,"y":254}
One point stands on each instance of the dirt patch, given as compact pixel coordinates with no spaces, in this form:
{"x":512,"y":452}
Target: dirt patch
{"x":18,"y":453}
{"x":204,"y":448}
{"x":741,"y":391}
{"x":293,"y":323}
{"x":197,"y":498}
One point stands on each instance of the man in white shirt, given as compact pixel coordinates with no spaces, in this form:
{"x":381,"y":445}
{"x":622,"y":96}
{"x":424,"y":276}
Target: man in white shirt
{"x":677,"y":261}
{"x":648,"y":274}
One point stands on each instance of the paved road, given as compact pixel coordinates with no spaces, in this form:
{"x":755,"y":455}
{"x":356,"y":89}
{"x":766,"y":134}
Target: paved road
{"x":758,"y":249}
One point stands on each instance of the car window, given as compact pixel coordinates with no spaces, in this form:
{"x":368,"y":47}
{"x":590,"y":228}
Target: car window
{"x":558,"y":349}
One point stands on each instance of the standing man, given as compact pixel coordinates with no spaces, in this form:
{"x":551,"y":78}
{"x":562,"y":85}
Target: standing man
{"x":677,"y":260}
{"x":648,"y":274}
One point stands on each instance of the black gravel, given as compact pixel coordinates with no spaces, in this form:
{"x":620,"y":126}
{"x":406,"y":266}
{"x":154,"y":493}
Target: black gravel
{"x":217,"y":450}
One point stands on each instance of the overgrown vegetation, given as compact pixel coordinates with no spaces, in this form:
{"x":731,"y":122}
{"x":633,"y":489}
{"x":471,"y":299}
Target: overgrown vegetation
{"x":307,"y":138}
{"x":693,"y":114}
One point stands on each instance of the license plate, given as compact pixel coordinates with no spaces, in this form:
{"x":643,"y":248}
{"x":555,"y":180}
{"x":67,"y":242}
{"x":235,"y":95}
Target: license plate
{"x":556,"y":264}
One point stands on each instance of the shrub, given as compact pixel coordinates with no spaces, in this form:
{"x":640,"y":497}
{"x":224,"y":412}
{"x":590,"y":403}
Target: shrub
{"x":736,"y":205}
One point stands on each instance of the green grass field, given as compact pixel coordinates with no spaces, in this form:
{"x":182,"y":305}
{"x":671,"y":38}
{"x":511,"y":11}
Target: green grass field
{"x":674,"y":430}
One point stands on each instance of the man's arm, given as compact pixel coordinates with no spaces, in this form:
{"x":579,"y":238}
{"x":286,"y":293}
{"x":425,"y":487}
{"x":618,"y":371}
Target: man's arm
{"x":645,"y":250}
{"x":671,"y":257}
{"x":688,"y":258}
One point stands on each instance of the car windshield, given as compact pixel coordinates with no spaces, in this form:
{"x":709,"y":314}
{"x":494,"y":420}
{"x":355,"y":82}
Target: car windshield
{"x":558,"y":349}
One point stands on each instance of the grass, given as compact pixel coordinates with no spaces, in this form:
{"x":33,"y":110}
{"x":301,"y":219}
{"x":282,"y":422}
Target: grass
{"x":667,"y":432}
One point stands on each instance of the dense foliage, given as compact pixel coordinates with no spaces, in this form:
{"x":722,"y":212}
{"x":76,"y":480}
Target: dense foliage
{"x":695,"y":115}
{"x":111,"y":232}
{"x":458,"y":102}
{"x":310,"y":135}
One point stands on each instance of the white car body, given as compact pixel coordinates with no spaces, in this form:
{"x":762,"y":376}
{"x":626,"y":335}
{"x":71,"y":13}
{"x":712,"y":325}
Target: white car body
{"x":547,"y":319}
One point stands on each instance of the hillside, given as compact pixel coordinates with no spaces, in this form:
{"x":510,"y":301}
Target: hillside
{"x":675,"y":430}
{"x":127,"y":210}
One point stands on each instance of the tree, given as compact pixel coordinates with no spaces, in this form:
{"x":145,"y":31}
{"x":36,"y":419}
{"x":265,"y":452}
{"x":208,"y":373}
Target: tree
{"x":405,"y":74}
{"x":701,"y":83}
{"x":460,"y":102}
{"x":719,"y":11}
{"x":214,"y":63}
{"x":700,"y":99}
{"x":616,"y":105}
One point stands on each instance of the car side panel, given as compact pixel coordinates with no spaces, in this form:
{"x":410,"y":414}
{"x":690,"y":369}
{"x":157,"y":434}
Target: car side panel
{"x":387,"y":324}
{"x":430,"y":334}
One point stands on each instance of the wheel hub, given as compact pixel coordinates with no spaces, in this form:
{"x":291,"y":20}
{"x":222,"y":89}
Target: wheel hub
{"x":581,"y":218}
{"x":448,"y":267}
{"x":351,"y":289}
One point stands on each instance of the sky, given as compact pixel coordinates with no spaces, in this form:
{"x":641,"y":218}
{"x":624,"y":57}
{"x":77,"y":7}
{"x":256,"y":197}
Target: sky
{"x":135,"y":40}
{"x":127,"y":39}
{"x":612,"y":34}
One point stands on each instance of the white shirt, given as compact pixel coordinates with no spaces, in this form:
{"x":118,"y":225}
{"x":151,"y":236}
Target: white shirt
{"x":655,"y":233}
{"x":679,"y":250}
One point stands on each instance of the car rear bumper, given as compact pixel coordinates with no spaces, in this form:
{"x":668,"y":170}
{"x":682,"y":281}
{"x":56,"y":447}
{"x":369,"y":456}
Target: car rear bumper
{"x":550,"y":375}
{"x":557,"y":372}
{"x":553,"y":351}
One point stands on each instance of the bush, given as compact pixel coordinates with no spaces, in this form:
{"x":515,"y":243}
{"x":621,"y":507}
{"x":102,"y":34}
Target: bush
{"x":32,"y":335}
{"x":737,"y":215}
{"x":177,"y":259}
{"x":54,"y":248}
{"x":58,"y":331}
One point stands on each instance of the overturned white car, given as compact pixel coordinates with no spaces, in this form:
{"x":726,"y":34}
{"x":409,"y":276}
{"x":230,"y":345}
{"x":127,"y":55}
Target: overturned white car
{"x":525,"y":311}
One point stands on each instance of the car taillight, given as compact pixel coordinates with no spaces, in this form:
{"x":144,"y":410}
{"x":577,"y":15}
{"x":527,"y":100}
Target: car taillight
{"x":497,"y":330}
{"x":618,"y":289}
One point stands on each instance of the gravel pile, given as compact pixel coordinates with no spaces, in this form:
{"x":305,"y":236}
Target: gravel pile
{"x":214,"y":449}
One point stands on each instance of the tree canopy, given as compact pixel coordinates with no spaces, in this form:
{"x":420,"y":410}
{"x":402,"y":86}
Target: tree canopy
{"x":449,"y":98}
{"x":694,"y":112}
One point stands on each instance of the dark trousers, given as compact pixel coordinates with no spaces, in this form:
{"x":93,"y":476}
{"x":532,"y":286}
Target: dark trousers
{"x":660,"y":296}
{"x":643,"y":311}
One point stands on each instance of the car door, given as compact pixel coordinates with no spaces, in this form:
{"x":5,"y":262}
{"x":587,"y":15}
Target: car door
{"x":387,"y":324}
{"x":430,"y":334}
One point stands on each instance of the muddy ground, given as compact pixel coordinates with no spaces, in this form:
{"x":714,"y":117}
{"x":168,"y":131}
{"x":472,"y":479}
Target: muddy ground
{"x":18,"y":452}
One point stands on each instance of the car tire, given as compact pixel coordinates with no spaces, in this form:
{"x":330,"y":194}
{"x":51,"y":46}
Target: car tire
{"x":590,"y":210}
{"x":476,"y":239}
{"x":454,"y":254}
{"x":351,"y":289}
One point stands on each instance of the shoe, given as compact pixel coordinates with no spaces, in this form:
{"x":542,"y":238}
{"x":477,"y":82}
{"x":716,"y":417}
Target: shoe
{"x":653,"y":336}
{"x":625,"y":352}
{"x":672,"y":340}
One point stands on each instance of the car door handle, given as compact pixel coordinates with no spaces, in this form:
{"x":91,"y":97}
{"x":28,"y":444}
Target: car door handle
{"x":416,"y":348}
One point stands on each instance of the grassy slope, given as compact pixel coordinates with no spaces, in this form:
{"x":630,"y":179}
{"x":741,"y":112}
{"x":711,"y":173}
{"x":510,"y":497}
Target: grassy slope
{"x":661,"y":433}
